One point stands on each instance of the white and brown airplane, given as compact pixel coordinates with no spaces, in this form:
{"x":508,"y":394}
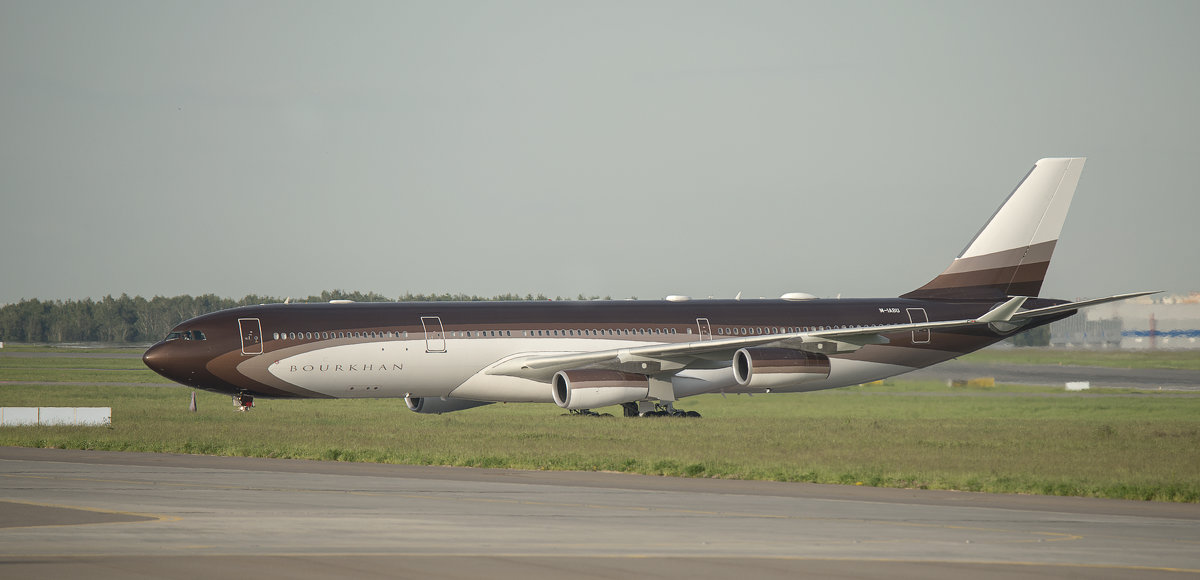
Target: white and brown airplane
{"x":643,"y":355}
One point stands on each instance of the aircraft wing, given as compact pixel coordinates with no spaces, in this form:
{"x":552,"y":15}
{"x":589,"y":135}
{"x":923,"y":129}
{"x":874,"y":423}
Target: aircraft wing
{"x":670,"y":358}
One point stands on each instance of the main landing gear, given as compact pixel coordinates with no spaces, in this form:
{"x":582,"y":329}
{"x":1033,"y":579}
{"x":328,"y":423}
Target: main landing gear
{"x":586,"y":413}
{"x":648,"y":409}
{"x":243,"y":401}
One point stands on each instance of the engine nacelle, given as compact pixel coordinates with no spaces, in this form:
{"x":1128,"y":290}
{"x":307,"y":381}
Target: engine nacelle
{"x":592,"y":388}
{"x":768,"y":368}
{"x":438,"y":405}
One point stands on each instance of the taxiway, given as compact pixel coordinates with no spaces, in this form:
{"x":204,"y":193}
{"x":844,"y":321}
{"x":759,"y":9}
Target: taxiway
{"x":115,"y":515}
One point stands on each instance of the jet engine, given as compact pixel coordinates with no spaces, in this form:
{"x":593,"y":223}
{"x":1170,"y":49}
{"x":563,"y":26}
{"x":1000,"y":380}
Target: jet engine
{"x":766,"y":368}
{"x":592,"y":388}
{"x":437,"y":405}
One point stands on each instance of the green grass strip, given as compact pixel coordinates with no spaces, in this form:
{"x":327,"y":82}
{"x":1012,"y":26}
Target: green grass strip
{"x":1131,"y":447}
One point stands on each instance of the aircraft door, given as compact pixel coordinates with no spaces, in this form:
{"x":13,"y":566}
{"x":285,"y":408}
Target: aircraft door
{"x":435,"y":335}
{"x":251,"y":332}
{"x":705,"y":328}
{"x":920,"y":336}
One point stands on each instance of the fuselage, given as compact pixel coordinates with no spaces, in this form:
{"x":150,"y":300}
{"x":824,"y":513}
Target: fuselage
{"x":442,"y":349}
{"x":446,"y":356}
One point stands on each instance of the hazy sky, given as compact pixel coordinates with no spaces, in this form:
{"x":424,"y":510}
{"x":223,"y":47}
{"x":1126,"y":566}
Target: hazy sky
{"x":609,"y":148}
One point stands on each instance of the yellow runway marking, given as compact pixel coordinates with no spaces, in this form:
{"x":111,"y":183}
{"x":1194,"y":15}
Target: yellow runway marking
{"x":149,"y":517}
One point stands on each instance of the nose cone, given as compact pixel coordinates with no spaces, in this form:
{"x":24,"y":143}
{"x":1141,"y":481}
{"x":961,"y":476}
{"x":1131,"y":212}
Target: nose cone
{"x":156,"y":359}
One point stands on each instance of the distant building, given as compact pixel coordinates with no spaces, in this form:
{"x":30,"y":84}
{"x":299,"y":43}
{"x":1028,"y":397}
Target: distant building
{"x":1151,"y":322}
{"x":1080,"y":332}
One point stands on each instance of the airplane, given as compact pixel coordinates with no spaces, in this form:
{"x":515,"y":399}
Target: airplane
{"x":642,"y":355}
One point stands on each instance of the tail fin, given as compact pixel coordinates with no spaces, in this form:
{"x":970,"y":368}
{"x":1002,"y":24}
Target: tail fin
{"x":1010,"y":255}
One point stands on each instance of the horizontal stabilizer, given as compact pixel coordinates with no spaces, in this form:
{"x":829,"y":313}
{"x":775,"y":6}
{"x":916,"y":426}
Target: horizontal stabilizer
{"x":1078,"y":305}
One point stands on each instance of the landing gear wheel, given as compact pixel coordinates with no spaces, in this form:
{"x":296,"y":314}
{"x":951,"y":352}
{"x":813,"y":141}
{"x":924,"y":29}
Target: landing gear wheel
{"x":585,"y":413}
{"x":662,"y":410}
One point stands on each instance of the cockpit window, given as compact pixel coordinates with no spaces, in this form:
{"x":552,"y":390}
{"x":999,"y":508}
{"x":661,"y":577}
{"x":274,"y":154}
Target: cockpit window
{"x":186,"y":335}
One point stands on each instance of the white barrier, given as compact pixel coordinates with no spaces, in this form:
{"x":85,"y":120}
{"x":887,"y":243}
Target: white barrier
{"x":87,"y":416}
{"x":1079,"y":386}
{"x":10,"y":416}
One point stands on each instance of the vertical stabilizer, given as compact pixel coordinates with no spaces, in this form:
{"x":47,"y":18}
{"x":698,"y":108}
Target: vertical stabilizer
{"x":1010,"y":255}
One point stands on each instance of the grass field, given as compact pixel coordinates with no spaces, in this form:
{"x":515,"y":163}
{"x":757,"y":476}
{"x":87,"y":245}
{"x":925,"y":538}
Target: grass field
{"x":75,"y":370}
{"x":899,"y":434}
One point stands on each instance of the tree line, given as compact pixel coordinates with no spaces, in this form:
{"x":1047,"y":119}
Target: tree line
{"x":126,"y":319}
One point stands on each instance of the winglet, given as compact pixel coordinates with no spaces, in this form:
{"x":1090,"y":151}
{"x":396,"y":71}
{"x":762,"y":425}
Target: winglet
{"x":1004,"y":312}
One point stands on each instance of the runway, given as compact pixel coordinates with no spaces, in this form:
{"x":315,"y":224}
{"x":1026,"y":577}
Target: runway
{"x":1059,"y":375}
{"x":116,"y":515}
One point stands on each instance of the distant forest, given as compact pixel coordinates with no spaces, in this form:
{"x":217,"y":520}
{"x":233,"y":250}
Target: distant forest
{"x":138,"y":320}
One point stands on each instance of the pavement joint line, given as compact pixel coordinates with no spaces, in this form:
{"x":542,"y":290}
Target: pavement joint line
{"x":641,"y":556}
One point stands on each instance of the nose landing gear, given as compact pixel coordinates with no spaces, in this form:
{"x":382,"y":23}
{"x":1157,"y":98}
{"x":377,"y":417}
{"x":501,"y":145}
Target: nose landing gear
{"x":243,"y":401}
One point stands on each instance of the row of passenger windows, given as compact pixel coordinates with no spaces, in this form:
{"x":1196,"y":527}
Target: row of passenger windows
{"x":721,"y":331}
{"x":746,"y":331}
{"x":329,"y":335}
{"x":473,"y":333}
